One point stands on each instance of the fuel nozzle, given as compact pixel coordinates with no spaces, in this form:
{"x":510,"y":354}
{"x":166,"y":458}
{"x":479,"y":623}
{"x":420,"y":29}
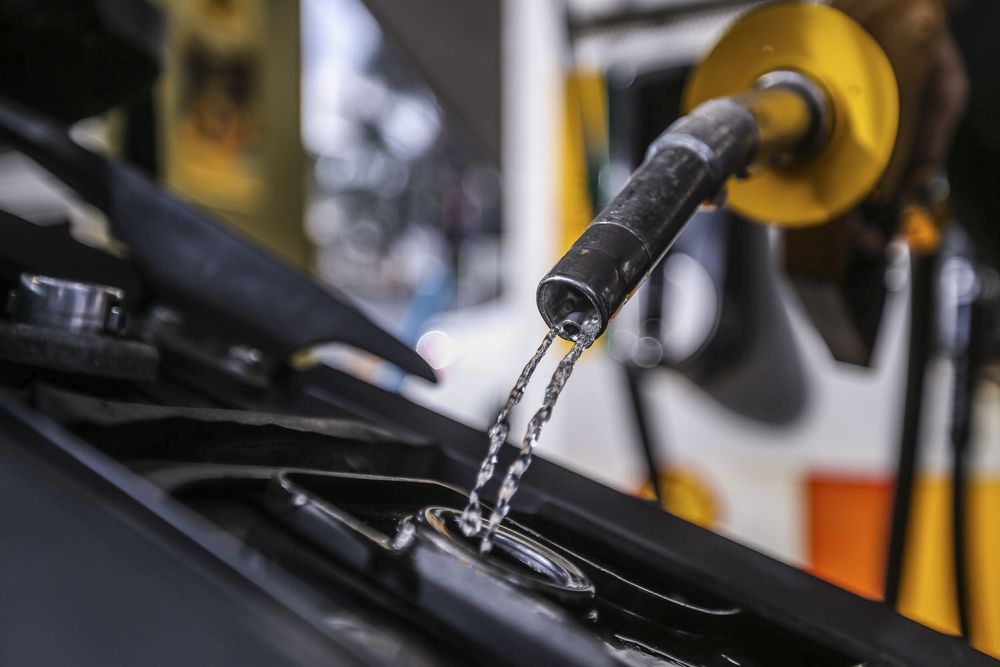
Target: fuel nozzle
{"x":785,"y":117}
{"x":807,"y":141}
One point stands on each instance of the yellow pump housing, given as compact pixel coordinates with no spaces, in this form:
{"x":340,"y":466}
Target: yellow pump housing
{"x":858,"y":80}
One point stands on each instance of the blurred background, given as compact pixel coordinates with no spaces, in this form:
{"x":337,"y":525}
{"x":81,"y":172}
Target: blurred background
{"x":433,"y":158}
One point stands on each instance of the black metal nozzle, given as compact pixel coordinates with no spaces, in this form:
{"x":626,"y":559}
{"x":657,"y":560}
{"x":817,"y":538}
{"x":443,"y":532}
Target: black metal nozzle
{"x":687,"y":165}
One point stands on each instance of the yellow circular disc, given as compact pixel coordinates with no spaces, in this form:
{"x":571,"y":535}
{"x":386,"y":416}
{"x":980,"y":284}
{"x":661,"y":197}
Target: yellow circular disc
{"x":839,"y":55}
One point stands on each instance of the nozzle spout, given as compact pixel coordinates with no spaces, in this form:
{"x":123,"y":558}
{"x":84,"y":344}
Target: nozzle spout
{"x":687,"y":165}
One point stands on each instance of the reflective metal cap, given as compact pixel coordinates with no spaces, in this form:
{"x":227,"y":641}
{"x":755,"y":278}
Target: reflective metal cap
{"x":55,"y":303}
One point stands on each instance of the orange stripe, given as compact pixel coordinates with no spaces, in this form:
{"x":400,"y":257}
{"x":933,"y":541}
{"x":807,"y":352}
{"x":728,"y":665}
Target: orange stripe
{"x":848,"y":520}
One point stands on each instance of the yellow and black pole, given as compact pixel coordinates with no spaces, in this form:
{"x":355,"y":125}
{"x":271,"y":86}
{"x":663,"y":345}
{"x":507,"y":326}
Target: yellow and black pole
{"x":792,"y":119}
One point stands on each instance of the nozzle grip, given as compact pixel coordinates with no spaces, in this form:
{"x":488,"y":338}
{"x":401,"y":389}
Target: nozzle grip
{"x":687,"y":165}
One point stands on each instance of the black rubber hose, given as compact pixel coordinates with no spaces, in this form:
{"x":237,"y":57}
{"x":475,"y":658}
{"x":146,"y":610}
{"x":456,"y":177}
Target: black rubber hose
{"x":923,"y":272}
{"x":647,"y":442}
{"x":960,"y":432}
